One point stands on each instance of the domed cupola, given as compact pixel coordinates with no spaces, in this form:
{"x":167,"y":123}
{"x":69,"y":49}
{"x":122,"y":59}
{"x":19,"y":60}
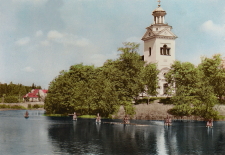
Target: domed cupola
{"x":159,"y":15}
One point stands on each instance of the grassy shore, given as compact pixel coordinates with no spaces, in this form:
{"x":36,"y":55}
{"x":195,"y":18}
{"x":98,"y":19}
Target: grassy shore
{"x":21,"y":106}
{"x":158,"y":111}
{"x":152,"y":111}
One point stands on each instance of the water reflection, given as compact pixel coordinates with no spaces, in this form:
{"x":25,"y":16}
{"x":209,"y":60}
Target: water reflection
{"x":51,"y":135}
{"x":181,"y":138}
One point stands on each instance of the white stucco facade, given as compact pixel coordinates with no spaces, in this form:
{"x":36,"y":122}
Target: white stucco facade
{"x":159,"y":46}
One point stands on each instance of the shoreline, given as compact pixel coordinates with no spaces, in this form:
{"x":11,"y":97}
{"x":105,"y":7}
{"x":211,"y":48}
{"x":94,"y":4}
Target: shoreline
{"x":7,"y":109}
{"x":158,"y":111}
{"x":152,"y":111}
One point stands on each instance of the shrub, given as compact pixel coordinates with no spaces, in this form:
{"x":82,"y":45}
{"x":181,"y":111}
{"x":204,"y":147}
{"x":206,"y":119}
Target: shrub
{"x":165,"y":100}
{"x":36,"y":106}
{"x":29,"y":106}
{"x":17,"y":107}
{"x":145,"y":100}
{"x":4,"y":106}
{"x":11,"y":99}
{"x":222,"y":102}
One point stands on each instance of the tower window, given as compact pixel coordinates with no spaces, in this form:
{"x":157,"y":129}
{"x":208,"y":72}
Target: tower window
{"x":150,"y":51}
{"x":165,"y":50}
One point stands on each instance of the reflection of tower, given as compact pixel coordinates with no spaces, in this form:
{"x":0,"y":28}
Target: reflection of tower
{"x":159,"y":45}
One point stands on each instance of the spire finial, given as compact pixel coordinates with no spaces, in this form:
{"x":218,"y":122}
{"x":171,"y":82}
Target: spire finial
{"x":159,"y":3}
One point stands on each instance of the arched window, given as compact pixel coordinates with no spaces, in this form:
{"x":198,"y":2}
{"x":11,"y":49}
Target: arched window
{"x":164,"y":50}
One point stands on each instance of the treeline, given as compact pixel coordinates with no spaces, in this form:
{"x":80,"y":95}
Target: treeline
{"x":13,"y":93}
{"x":198,"y":88}
{"x":90,"y":90}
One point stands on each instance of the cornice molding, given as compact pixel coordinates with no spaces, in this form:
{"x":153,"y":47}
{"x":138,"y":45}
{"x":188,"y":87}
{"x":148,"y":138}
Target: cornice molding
{"x":162,"y":37}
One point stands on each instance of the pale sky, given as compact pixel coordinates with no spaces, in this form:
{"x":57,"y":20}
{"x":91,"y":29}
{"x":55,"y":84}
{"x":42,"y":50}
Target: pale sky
{"x":39,"y":38}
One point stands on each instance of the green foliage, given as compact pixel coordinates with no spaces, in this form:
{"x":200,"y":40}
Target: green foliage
{"x":90,"y":90}
{"x":29,"y":106}
{"x":56,"y":115}
{"x":36,"y":106}
{"x":150,"y":80}
{"x":214,"y":73}
{"x":17,"y":107}
{"x":4,"y":106}
{"x":146,"y":100}
{"x":11,"y":99}
{"x":197,"y":88}
{"x":87,"y":116}
{"x":17,"y":90}
{"x":165,"y":100}
{"x":222,"y":101}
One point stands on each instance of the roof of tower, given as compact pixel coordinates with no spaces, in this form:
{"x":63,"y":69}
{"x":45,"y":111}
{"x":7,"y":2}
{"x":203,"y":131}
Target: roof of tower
{"x":158,"y":9}
{"x":159,"y":12}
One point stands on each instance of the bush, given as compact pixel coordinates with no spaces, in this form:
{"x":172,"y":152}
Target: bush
{"x":11,"y":99}
{"x":145,"y":100}
{"x":29,"y":106}
{"x":36,"y":106}
{"x":4,"y":106}
{"x":222,"y":102}
{"x":165,"y":100}
{"x":17,"y":107}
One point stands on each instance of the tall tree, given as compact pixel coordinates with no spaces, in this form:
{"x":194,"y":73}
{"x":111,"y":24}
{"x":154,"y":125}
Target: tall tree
{"x":194,"y":93}
{"x":88,"y":89}
{"x":214,"y":73}
{"x":185,"y":77}
{"x":150,"y":79}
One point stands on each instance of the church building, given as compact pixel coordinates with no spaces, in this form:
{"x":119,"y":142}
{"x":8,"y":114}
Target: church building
{"x":159,"y":46}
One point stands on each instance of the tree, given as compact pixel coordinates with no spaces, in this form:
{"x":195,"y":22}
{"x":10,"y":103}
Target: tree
{"x":87,"y":90}
{"x":194,"y":93}
{"x":214,"y":73}
{"x":150,"y":79}
{"x":128,"y":79}
{"x":185,"y":77}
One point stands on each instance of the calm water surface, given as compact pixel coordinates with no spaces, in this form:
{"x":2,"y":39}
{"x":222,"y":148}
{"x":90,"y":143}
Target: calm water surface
{"x":39,"y":135}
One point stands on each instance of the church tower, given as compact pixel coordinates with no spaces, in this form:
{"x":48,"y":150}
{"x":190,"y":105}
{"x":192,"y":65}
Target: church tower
{"x":159,"y":46}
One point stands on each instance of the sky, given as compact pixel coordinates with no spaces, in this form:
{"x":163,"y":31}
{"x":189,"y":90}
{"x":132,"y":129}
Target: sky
{"x":40,"y":38}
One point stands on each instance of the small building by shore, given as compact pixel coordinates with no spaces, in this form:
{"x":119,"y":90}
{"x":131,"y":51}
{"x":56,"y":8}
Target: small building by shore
{"x":36,"y":95}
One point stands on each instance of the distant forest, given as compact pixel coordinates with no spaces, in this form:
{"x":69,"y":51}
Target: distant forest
{"x":13,"y":93}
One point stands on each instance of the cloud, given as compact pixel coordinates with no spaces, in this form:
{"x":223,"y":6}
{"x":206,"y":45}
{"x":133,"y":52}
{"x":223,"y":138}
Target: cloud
{"x":45,"y":42}
{"x":54,"y":35}
{"x":212,"y":28}
{"x":23,"y":41}
{"x":67,"y":39}
{"x":39,"y":33}
{"x":28,"y":69}
{"x":81,"y":42}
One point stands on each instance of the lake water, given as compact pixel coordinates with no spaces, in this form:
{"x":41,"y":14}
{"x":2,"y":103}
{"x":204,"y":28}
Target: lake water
{"x":40,"y":135}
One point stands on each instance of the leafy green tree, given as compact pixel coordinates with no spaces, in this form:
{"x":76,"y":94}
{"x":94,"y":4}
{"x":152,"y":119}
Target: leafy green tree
{"x":150,"y":79}
{"x":105,"y":96}
{"x":194,"y":93}
{"x":206,"y":99}
{"x":88,"y":90}
{"x":129,"y":67}
{"x":185,"y":77}
{"x":214,"y":73}
{"x":128,"y":75}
